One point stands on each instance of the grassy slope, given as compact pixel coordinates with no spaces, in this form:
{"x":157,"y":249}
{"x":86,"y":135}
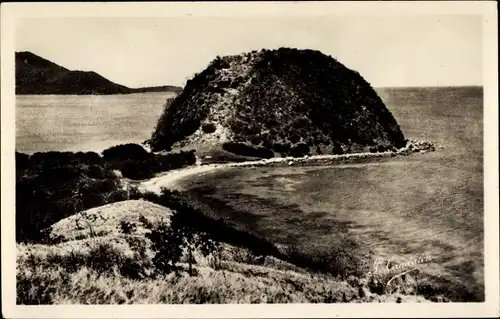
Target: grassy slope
{"x":41,"y":282}
{"x":110,"y":269}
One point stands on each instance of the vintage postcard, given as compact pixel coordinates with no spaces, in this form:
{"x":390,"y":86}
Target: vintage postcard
{"x":274,"y":159}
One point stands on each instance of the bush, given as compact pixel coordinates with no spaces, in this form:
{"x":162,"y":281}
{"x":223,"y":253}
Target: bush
{"x":127,"y":227}
{"x":22,"y":161}
{"x":168,"y":244}
{"x":247,"y":150}
{"x":301,"y":122}
{"x":170,"y":241}
{"x":208,"y":128}
{"x":299,"y":150}
{"x":282,"y":147}
{"x":174,"y":160}
{"x":126,"y":152}
{"x":96,"y":172}
{"x":201,"y":219}
{"x":337,"y":149}
{"x":137,"y":170}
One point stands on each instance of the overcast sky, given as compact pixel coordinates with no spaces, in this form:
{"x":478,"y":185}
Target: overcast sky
{"x":136,"y":52}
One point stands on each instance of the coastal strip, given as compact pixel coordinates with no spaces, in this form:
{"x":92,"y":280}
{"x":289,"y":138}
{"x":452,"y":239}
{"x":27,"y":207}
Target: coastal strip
{"x":171,"y":178}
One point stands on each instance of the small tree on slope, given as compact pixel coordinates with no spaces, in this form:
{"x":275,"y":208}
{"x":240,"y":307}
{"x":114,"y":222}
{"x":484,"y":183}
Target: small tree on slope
{"x":170,"y":242}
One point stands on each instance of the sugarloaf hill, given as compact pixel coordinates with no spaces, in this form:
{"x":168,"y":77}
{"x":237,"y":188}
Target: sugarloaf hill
{"x":285,"y":102}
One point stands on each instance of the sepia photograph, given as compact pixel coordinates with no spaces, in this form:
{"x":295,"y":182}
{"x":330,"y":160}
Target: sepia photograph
{"x":236,"y":154}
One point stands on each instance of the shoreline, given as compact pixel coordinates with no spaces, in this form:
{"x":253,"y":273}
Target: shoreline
{"x":171,"y":179}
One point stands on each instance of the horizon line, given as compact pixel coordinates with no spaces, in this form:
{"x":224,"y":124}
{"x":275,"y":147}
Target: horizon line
{"x":190,"y":77}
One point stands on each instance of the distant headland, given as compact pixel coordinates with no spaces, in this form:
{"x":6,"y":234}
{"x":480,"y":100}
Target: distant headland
{"x":36,"y":75}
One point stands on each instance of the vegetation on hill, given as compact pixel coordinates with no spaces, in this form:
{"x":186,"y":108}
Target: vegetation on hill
{"x":176,"y":261}
{"x":120,"y":270}
{"x":112,"y":253}
{"x":36,"y":75}
{"x":108,"y":272}
{"x":54,"y":185}
{"x":278,"y":102}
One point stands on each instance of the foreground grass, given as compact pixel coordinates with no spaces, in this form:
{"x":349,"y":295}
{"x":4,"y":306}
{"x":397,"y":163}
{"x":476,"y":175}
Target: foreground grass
{"x":105,"y":272}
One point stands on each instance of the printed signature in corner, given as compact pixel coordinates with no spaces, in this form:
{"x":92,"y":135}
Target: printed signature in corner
{"x":389,"y":267}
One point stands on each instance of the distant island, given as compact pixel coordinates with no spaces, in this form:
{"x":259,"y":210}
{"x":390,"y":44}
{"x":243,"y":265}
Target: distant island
{"x":36,"y":75}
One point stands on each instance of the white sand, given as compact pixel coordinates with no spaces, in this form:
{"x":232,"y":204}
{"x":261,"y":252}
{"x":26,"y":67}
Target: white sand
{"x":171,"y":178}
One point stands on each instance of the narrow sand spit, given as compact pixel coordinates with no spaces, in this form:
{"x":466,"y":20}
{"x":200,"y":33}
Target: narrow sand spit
{"x":171,"y":179}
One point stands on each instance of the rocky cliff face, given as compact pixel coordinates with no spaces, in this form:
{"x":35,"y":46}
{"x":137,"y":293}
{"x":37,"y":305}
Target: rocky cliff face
{"x":278,"y":103}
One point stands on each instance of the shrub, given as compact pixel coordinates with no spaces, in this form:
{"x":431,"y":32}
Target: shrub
{"x":299,"y":150}
{"x":127,"y":227}
{"x":381,"y":148}
{"x":337,"y":149}
{"x":301,"y":122}
{"x":167,"y":244}
{"x":170,"y":241}
{"x":137,"y":170}
{"x":208,"y":128}
{"x":247,"y":150}
{"x":201,"y":219}
{"x":125,"y":152}
{"x":174,"y":160}
{"x":22,"y":160}
{"x":294,"y":137}
{"x":96,"y":172}
{"x":255,"y":139}
{"x":41,"y":277}
{"x":281,"y":147}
